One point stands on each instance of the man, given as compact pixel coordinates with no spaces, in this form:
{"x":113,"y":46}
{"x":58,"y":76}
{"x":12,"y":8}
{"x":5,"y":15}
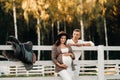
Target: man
{"x":75,"y":41}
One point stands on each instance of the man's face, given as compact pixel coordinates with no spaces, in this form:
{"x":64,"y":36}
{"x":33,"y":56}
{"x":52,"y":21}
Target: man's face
{"x":76,"y":35}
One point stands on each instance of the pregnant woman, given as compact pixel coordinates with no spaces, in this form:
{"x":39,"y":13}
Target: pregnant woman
{"x":62,"y":57}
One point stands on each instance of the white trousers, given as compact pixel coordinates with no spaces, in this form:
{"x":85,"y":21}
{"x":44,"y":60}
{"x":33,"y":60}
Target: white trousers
{"x":67,"y":74}
{"x":77,"y":54}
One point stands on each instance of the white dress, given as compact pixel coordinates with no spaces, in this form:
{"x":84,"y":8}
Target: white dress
{"x":66,"y":74}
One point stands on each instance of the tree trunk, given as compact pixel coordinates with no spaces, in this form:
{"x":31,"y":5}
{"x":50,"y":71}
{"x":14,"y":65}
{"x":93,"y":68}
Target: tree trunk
{"x":15,"y":20}
{"x":38,"y":33}
{"x":53,"y":32}
{"x":106,"y":37}
{"x":58,"y":26}
{"x":64,"y":25}
{"x":82,"y":29}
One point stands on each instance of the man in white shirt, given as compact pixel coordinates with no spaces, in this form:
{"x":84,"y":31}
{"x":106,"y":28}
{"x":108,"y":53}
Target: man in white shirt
{"x":75,"y":41}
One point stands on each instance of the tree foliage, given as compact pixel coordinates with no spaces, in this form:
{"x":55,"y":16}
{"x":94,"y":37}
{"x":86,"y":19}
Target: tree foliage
{"x":50,"y":11}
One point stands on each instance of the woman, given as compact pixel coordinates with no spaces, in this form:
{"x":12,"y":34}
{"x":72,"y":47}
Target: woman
{"x":63,"y":57}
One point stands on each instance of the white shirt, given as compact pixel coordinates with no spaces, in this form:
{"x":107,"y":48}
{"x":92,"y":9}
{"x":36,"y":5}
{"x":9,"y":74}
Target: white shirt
{"x":78,"y":53}
{"x":79,"y":42}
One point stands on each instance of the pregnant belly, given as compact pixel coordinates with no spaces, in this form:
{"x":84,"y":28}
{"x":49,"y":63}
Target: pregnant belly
{"x":67,"y":60}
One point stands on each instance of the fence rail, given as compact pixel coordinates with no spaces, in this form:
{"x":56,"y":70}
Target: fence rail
{"x":99,"y":69}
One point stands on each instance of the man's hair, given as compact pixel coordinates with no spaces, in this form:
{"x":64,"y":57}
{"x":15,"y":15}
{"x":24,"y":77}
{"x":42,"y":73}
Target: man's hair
{"x":76,"y":30}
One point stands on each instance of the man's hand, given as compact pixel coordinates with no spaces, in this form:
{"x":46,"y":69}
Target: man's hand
{"x":87,"y":44}
{"x":78,"y":45}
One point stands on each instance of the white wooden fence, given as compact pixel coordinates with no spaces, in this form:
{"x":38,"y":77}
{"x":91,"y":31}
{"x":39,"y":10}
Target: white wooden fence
{"x":99,"y":69}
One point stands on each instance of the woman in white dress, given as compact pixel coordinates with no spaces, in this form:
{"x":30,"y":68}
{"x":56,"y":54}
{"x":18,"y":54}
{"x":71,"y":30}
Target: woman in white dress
{"x":63,"y":57}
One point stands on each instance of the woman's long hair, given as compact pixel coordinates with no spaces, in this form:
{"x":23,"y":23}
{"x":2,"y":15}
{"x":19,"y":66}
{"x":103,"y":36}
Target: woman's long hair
{"x":57,"y":43}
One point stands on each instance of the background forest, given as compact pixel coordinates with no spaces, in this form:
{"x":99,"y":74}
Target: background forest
{"x":40,"y":21}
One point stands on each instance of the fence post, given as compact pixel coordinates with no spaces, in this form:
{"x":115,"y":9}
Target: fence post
{"x":101,"y":62}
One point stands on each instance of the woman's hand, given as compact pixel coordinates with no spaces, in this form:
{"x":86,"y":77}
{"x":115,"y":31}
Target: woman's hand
{"x":63,"y":66}
{"x":67,"y":54}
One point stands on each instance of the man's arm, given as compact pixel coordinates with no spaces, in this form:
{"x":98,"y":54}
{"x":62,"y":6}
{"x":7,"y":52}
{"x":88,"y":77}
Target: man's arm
{"x":88,"y":43}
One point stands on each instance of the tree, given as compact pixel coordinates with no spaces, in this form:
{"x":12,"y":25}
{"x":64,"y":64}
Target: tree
{"x":10,"y":5}
{"x":37,"y":8}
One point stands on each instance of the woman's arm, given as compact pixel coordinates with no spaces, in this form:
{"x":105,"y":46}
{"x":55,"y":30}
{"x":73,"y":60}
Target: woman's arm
{"x":54,"y":58}
{"x":54,"y":54}
{"x":71,"y":52}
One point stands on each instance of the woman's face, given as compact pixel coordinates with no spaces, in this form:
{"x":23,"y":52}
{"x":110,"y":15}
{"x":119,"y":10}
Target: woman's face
{"x":63,"y":39}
